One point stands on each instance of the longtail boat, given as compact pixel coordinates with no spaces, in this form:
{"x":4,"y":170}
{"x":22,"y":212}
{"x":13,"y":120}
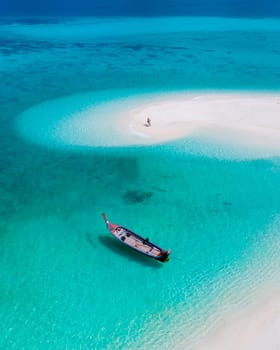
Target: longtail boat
{"x":136,"y":242}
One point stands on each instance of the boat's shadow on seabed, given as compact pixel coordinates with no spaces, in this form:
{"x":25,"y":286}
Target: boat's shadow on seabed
{"x":127,"y":252}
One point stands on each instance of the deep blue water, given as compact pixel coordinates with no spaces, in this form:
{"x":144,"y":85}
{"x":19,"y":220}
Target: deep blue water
{"x":227,"y":8}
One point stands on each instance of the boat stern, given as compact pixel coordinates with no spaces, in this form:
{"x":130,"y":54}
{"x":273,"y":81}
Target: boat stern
{"x":165,"y":256}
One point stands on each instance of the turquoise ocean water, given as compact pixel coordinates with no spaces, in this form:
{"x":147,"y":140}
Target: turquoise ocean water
{"x":64,"y":282}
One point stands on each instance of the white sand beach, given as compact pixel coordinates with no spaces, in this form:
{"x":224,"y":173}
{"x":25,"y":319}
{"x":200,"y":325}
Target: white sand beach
{"x":249,"y":120}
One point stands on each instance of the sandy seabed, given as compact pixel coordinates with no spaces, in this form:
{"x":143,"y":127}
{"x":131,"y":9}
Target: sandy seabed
{"x":255,"y":327}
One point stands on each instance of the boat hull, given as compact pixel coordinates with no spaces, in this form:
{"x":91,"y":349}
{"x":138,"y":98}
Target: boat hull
{"x":137,"y":242}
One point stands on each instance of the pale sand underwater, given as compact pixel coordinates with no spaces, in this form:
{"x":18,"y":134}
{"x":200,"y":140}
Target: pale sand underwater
{"x":248,"y":318}
{"x":255,"y":327}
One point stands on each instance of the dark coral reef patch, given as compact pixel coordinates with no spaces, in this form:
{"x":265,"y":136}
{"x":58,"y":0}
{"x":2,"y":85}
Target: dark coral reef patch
{"x":134,"y":197}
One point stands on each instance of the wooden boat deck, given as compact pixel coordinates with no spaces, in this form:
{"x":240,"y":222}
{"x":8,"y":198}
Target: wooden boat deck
{"x":138,"y":243}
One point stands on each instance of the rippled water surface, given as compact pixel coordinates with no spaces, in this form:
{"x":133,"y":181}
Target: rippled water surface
{"x":65,"y":283}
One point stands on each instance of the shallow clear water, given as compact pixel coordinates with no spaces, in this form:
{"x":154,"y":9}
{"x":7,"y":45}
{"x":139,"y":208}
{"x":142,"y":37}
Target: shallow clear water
{"x":65,"y":283}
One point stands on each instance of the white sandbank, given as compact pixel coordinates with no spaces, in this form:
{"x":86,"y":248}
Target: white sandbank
{"x":248,"y":120}
{"x":256,"y":327}
{"x":243,"y":122}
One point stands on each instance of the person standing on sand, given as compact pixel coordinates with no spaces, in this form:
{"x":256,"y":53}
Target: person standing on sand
{"x":149,"y":122}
